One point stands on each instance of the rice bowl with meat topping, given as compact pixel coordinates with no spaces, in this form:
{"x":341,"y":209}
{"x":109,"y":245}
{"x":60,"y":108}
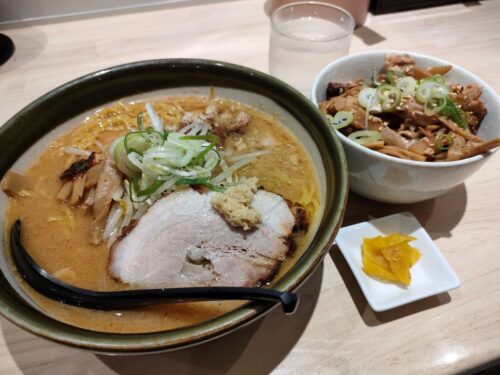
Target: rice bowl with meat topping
{"x":399,"y":165}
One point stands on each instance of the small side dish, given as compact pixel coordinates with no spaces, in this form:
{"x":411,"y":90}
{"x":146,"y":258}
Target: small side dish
{"x":430,"y":275}
{"x":410,"y":113}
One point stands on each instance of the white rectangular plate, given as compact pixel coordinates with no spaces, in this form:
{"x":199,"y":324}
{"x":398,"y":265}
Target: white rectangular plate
{"x":430,"y":275}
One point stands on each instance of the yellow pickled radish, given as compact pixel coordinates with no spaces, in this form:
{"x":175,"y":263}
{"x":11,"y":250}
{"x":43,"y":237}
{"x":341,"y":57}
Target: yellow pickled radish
{"x":373,"y":269}
{"x":399,"y":262}
{"x":390,"y":258}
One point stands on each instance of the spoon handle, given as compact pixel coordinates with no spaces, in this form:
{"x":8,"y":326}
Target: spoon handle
{"x":48,"y":285}
{"x":137,"y":298}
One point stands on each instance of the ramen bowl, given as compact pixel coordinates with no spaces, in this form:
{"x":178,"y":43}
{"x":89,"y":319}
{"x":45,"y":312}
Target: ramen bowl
{"x":392,"y":180}
{"x":30,"y":130}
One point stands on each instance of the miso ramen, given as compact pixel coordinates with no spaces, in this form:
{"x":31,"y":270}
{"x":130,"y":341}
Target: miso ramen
{"x":179,"y":191}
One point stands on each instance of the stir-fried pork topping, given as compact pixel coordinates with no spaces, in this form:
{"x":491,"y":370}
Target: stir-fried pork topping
{"x":410,"y":113}
{"x":222,"y":123}
{"x":396,"y":61}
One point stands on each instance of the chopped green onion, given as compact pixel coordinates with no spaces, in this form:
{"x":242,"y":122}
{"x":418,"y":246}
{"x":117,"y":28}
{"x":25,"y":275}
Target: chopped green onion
{"x":139,"y":122}
{"x":435,"y":104}
{"x":391,"y":77}
{"x":456,"y":114}
{"x":147,"y":191}
{"x":438,"y":78}
{"x":156,"y":121}
{"x":134,"y":187}
{"x":366,"y":97}
{"x":443,"y":142}
{"x":154,"y":137}
{"x":341,"y":119}
{"x":209,"y":137}
{"x":135,"y":200}
{"x":429,"y":87}
{"x":199,"y":158}
{"x":407,"y":86}
{"x":388,"y":97}
{"x":200,"y":181}
{"x":131,"y":143}
{"x":134,"y":142}
{"x":365,"y":136}
{"x":150,"y":135}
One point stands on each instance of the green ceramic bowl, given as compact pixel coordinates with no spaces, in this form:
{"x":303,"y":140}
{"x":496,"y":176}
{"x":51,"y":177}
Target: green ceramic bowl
{"x":32,"y":125}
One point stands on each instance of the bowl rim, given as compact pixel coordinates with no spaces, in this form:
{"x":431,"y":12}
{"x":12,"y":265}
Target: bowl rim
{"x":369,"y":152}
{"x":19,"y":312}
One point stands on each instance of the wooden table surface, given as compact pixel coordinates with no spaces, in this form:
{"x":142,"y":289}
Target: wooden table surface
{"x":334,"y":331}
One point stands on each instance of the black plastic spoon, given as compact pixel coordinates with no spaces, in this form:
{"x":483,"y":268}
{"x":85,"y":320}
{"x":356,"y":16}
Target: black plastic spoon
{"x":58,"y":290}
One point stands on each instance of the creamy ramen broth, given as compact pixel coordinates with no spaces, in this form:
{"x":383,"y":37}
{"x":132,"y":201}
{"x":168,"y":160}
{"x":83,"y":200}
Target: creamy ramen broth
{"x":56,"y":233}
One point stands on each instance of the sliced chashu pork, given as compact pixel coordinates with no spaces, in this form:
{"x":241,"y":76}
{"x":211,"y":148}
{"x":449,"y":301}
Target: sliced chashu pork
{"x":182,"y":241}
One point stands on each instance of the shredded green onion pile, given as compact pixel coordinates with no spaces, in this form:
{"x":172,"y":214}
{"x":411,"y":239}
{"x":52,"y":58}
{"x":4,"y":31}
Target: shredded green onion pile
{"x":154,"y":160}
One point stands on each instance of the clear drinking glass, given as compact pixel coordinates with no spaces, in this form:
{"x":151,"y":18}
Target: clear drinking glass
{"x":306,"y":36}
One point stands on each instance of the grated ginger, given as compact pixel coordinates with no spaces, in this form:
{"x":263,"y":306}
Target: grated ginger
{"x":234,"y":204}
